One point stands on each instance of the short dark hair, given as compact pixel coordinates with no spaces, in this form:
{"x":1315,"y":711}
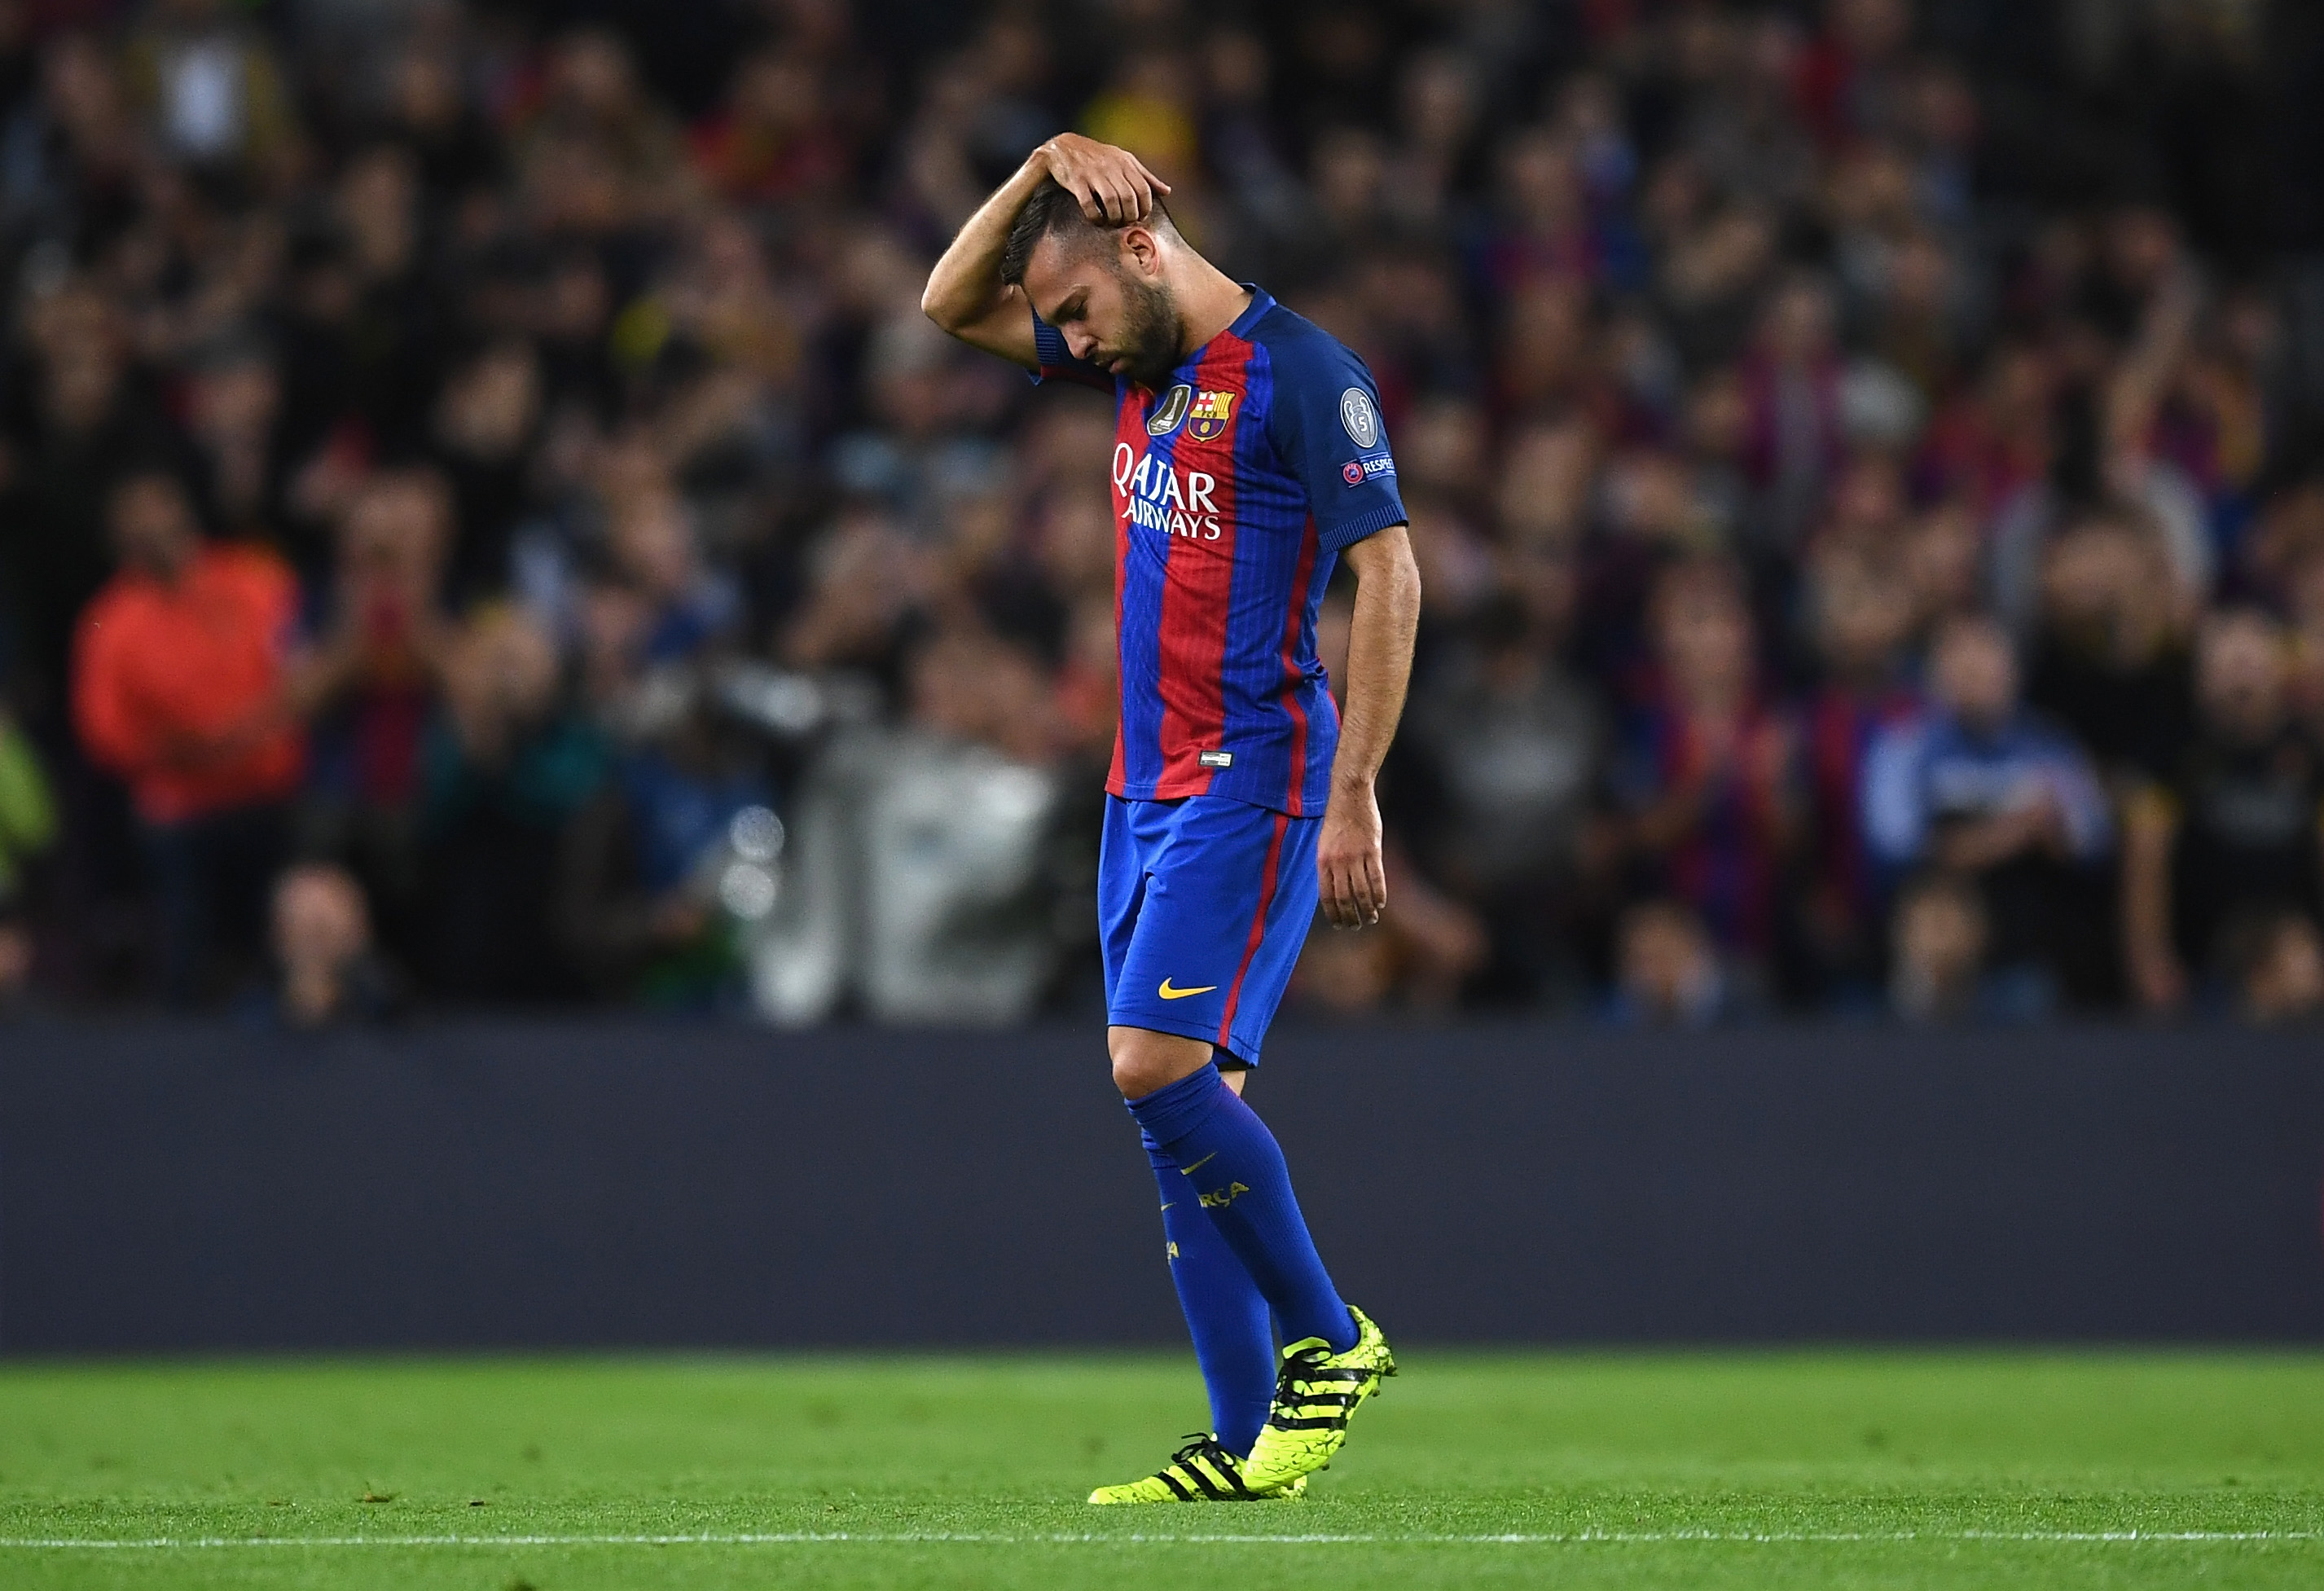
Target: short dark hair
{"x":1052,"y":210}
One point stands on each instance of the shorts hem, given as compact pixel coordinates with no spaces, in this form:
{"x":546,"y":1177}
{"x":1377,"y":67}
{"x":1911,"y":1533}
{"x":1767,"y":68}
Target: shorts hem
{"x":1181,"y":1029}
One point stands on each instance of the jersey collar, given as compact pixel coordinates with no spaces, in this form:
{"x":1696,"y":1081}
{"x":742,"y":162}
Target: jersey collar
{"x":1239,"y":327}
{"x":1260,"y":303}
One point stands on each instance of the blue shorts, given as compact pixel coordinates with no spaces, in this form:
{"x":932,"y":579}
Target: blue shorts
{"x":1202,"y":905}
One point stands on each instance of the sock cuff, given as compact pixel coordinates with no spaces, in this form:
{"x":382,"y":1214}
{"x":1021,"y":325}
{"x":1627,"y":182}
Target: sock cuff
{"x":1168,"y":1114}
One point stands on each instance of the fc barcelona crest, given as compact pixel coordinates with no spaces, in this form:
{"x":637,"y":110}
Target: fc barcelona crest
{"x":1208,"y":418}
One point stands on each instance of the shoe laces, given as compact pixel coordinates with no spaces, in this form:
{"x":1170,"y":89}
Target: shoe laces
{"x":1299,"y":1363}
{"x":1205,"y":1444}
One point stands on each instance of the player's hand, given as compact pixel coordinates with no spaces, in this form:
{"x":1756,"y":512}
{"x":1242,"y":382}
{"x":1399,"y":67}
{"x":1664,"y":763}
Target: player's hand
{"x":1348,"y":865}
{"x":1112,"y":184}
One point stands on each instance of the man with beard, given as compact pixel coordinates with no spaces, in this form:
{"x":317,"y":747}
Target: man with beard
{"x":1249,"y":456}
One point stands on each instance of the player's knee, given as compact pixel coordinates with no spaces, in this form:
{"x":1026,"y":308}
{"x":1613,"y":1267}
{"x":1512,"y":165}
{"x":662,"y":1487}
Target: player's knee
{"x":1144,"y":1062}
{"x":1137,"y":1074}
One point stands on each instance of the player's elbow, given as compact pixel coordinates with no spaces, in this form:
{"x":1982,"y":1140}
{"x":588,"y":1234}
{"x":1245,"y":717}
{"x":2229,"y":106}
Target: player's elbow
{"x":940,"y":302}
{"x":1407,"y":572}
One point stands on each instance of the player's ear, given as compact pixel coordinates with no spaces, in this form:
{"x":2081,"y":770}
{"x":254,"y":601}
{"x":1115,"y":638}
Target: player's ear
{"x":1142,"y":251}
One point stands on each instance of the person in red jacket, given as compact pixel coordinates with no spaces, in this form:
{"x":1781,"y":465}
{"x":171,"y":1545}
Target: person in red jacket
{"x":182,"y":687}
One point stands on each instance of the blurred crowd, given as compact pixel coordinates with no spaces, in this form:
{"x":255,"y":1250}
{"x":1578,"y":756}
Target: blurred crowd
{"x":484,"y":521}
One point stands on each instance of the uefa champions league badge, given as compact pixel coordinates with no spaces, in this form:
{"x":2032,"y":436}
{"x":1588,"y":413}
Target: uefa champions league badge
{"x":1359,"y":417}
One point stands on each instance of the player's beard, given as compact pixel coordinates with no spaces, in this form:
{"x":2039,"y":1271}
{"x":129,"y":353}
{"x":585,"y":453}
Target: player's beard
{"x":1152,"y":332}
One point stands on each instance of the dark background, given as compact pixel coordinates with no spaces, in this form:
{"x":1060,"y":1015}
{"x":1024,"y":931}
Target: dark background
{"x":166,"y":1187}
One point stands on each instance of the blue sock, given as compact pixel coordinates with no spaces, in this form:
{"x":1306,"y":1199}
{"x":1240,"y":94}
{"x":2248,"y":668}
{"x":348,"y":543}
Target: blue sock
{"x":1235,"y":1167}
{"x":1234,"y":1341}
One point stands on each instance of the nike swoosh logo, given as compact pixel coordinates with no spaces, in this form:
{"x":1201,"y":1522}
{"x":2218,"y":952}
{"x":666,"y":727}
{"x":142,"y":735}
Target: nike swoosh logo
{"x":1198,"y":1165}
{"x":1168,"y":992}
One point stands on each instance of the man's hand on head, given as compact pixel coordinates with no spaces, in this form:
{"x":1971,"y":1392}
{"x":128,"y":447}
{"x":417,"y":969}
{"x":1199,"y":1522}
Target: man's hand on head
{"x":1112,"y":184}
{"x":972,"y":293}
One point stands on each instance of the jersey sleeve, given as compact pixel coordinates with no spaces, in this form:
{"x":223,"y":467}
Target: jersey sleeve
{"x":1059,"y":364}
{"x":1325,"y":423}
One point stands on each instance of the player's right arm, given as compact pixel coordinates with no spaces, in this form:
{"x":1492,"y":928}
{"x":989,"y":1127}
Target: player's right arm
{"x":965,"y":294}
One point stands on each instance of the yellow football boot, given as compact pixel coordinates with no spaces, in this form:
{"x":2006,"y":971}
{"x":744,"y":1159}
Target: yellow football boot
{"x":1316,"y":1393}
{"x":1200,"y":1472}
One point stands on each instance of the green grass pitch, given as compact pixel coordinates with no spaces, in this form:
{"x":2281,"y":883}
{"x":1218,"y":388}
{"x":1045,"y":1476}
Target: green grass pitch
{"x":1809,"y":1469}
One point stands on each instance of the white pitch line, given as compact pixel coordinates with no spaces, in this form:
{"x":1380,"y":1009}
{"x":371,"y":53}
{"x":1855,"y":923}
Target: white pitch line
{"x":925,"y":1538}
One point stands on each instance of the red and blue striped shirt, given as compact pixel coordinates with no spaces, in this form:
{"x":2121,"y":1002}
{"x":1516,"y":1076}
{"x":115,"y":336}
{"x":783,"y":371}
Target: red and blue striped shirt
{"x":1235,"y":485}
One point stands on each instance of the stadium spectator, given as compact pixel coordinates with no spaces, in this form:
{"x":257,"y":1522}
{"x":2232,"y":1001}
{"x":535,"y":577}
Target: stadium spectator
{"x":373,"y":683}
{"x":487,"y":422}
{"x":1939,"y":935}
{"x":638,"y":892}
{"x":1792,"y":383}
{"x":181,"y":686}
{"x":1668,"y":972}
{"x":1981,"y":788}
{"x":776,"y":138}
{"x":327,"y":972}
{"x":686,"y":605}
{"x":88,"y":411}
{"x":505,"y":764}
{"x":2229,"y":835}
{"x":1863,"y":615}
{"x":233,"y":402}
{"x":1498,"y":787}
{"x":1708,"y":779}
{"x":2111,"y":661}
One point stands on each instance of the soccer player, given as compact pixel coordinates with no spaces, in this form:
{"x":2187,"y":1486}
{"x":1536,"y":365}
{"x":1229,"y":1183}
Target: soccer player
{"x":1248,"y":456}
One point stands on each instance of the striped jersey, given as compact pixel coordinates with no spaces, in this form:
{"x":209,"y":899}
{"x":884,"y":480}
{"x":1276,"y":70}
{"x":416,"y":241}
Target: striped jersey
{"x":1235,"y":485}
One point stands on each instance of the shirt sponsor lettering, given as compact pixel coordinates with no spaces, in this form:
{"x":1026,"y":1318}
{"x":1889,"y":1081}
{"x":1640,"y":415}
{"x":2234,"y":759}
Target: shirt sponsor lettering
{"x":1158,"y":496}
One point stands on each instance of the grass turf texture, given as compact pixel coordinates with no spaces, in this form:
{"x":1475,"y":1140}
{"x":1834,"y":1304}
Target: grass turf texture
{"x":1798,"y":1470}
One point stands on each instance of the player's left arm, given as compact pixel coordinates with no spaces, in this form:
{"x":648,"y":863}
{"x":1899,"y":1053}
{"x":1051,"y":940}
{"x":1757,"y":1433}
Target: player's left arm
{"x":1326,"y":425}
{"x":1348,"y":862}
